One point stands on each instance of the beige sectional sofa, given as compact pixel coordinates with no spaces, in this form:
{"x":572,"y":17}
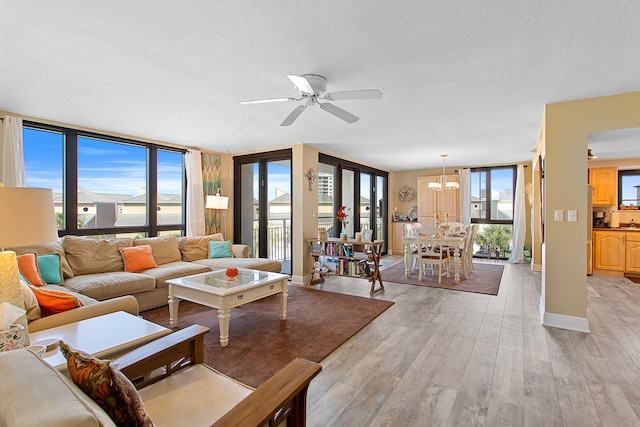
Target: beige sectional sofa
{"x":95,"y":268}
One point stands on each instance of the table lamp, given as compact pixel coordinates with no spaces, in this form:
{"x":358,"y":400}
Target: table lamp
{"x":27,"y":217}
{"x":219,"y":202}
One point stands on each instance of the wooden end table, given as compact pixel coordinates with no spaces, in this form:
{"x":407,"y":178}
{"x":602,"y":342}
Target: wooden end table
{"x":103,"y":336}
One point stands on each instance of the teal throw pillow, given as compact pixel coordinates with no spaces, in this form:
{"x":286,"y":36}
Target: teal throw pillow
{"x":219,"y":249}
{"x":50,"y":268}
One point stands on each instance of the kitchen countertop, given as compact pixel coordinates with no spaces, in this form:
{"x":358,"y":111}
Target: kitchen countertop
{"x":616,"y":229}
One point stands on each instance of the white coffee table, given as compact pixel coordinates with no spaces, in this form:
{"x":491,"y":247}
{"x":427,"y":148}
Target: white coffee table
{"x":103,"y":336}
{"x":213,"y":289}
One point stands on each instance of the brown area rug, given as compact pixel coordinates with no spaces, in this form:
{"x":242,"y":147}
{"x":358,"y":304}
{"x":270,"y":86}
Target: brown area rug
{"x":485,"y":279}
{"x":260,"y":344}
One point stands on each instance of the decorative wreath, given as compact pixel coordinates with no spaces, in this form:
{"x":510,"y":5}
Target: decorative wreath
{"x":406,"y":193}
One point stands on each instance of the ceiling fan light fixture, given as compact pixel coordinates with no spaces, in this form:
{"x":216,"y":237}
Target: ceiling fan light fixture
{"x":312,"y":89}
{"x":590,"y":155}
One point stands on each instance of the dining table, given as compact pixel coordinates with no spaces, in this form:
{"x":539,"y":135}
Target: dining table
{"x":454,"y":241}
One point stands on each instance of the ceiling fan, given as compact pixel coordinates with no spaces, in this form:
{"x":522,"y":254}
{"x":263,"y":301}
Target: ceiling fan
{"x":312,"y":89}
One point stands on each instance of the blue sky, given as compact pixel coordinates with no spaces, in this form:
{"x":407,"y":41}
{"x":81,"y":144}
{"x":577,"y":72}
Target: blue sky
{"x":103,"y":167}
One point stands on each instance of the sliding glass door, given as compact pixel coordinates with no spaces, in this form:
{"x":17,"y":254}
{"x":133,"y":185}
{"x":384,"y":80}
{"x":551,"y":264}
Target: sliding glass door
{"x":363,"y":190}
{"x":263,"y":208}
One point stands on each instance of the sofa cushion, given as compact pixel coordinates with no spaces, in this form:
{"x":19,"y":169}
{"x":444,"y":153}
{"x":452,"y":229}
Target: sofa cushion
{"x":138,"y":258}
{"x":263,"y":264}
{"x":30,"y":302}
{"x":49,"y":248}
{"x":172,"y":270}
{"x":170,"y":401}
{"x":90,"y":256}
{"x":197,"y":247}
{"x":28,"y":266}
{"x":164,"y":248}
{"x":54,"y":301}
{"x":50,"y":267}
{"x":85,"y":299}
{"x":107,"y":386}
{"x":102,"y":286}
{"x":219,"y":249}
{"x":45,"y":397}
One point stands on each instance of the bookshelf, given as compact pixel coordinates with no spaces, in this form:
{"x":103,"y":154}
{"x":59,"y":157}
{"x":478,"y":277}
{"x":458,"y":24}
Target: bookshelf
{"x":351,"y":258}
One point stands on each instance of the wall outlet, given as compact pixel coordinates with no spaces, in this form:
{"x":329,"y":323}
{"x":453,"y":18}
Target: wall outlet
{"x":572,"y":216}
{"x":558,"y":215}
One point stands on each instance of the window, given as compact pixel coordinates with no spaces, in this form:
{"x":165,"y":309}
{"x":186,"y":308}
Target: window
{"x":44,"y":163}
{"x":629,"y":187}
{"x":105,"y":186}
{"x":344,"y":183}
{"x":492,"y":210}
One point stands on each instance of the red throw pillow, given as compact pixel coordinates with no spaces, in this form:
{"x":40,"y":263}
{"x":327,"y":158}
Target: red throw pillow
{"x":52,"y":302}
{"x":137,"y":258}
{"x":28,"y":266}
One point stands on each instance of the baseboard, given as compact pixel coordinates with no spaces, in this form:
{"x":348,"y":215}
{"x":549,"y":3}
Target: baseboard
{"x":562,"y":321}
{"x":300,"y":280}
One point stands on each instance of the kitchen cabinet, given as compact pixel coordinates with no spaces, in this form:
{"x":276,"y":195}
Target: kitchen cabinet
{"x":632,"y":249}
{"x":609,"y":250}
{"x":431,"y":201}
{"x":605,"y":185}
{"x":397,"y":232}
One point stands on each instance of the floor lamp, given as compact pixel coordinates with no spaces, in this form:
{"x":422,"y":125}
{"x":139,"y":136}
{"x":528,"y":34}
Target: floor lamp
{"x":220,"y":203}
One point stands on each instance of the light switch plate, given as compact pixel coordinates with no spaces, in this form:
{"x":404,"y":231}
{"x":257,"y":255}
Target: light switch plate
{"x":572,"y":216}
{"x":558,"y":215}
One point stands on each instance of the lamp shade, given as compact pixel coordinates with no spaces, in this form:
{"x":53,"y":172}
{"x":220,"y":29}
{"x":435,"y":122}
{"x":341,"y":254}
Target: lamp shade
{"x":27,"y":217}
{"x":217,"y":202}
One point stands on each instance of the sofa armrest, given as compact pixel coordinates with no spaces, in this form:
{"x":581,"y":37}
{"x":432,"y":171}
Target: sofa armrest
{"x":171,"y":352}
{"x":240,"y":251}
{"x":283,"y":396}
{"x":126,"y":303}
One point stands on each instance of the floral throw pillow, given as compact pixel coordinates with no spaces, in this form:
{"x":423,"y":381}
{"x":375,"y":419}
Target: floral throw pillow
{"x":107,"y":386}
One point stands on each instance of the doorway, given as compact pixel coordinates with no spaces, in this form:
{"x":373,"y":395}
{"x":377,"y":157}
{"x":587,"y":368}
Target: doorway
{"x":263,"y":209}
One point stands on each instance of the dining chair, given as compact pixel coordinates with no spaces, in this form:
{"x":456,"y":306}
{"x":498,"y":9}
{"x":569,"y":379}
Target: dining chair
{"x":426,"y":232}
{"x":468,"y":258}
{"x":433,"y":254}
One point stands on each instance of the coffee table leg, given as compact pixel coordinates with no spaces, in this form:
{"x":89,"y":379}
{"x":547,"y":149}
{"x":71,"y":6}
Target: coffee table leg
{"x":283,"y":302}
{"x":223,"y":319}
{"x":173,"y":308}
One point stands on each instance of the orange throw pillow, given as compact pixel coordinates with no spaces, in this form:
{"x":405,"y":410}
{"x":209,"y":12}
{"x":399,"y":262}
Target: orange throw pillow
{"x":52,"y":302}
{"x":137,"y":258}
{"x":28,"y":265}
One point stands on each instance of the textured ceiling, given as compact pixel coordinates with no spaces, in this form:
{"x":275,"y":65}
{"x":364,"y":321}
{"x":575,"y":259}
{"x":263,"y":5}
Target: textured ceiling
{"x":468,"y":78}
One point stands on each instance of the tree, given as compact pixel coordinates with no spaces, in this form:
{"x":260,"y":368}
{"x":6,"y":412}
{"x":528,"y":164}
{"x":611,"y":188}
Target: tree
{"x":494,"y":236}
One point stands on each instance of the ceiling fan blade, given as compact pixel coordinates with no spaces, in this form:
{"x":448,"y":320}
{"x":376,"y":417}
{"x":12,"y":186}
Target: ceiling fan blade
{"x":339,"y":112}
{"x":301,"y":83}
{"x":354,"y":94}
{"x":293,"y":116}
{"x":264,"y":101}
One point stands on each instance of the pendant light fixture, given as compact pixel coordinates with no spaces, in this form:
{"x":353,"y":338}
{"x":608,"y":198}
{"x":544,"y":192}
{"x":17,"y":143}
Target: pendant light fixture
{"x":442,"y":184}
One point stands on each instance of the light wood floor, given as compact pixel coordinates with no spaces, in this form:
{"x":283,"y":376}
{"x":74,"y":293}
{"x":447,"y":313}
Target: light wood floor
{"x":451,"y":358}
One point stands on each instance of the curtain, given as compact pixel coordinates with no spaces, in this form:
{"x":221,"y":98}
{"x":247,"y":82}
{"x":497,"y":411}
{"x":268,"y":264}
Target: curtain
{"x":464,"y":177}
{"x":195,"y":193}
{"x":12,"y":172}
{"x":519,"y":219}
